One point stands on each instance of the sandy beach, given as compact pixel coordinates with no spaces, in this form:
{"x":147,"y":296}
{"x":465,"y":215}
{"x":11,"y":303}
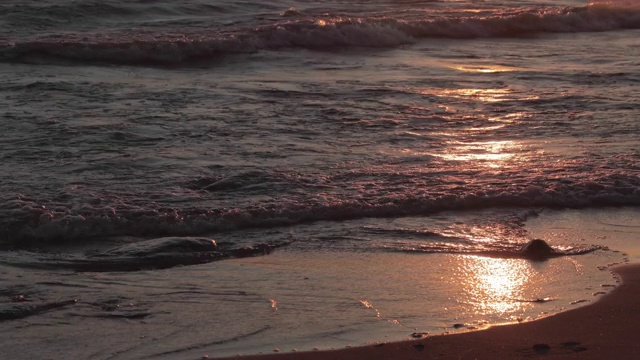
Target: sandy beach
{"x":606,"y":329}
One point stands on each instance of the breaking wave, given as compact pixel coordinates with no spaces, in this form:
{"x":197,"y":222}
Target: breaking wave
{"x":27,"y":223}
{"x":194,"y":45}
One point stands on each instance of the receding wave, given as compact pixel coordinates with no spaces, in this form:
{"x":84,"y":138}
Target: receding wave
{"x":159,"y":253}
{"x":498,"y":250}
{"x":197,"y":45}
{"x":449,"y":241}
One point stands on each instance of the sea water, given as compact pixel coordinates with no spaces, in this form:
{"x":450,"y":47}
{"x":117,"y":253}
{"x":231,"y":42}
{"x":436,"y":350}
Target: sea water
{"x":222,"y":177}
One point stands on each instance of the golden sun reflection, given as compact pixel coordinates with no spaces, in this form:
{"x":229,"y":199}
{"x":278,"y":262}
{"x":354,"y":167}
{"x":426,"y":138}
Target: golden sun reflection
{"x":487,"y":95}
{"x":495,"y":285}
{"x":483,"y":95}
{"x":510,"y":118}
{"x":492,"y":152}
{"x":482,"y":69}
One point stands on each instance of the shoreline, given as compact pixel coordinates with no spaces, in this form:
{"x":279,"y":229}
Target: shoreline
{"x":604,"y":329}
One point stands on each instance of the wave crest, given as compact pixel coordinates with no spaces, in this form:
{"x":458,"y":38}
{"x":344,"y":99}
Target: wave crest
{"x":26,"y":223}
{"x":139,"y":47}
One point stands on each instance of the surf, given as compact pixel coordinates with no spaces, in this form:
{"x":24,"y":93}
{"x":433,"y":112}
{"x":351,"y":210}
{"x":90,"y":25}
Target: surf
{"x":196,"y":45}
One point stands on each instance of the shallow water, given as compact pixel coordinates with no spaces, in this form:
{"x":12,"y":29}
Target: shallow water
{"x":365,"y":161}
{"x":314,"y":293}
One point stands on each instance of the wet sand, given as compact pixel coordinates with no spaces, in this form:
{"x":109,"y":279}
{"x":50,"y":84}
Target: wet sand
{"x":606,"y":329}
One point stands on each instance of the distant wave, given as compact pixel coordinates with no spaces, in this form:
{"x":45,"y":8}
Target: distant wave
{"x":60,"y":12}
{"x":25,"y":223}
{"x":176,"y":48}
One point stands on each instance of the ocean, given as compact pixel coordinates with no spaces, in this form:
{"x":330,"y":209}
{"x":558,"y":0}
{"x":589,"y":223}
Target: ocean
{"x":180,"y":178}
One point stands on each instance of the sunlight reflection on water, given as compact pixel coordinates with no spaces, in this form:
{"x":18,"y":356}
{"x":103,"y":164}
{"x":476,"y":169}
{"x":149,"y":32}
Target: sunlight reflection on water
{"x":493,"y":284}
{"x":487,"y":69}
{"x":491,"y":153}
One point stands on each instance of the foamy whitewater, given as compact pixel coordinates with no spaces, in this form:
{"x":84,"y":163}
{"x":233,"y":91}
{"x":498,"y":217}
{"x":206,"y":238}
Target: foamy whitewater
{"x":181,"y":178}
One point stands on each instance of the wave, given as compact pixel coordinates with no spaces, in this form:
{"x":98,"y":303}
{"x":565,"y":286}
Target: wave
{"x":26,"y":223}
{"x":163,"y":253}
{"x":455,"y":240}
{"x":184,"y":47}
